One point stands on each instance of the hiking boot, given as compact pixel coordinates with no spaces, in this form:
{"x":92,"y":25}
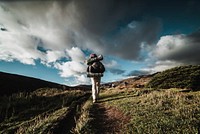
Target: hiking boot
{"x":94,"y":101}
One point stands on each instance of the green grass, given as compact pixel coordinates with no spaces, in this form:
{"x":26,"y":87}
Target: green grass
{"x":151,"y":111}
{"x":157,"y":111}
{"x":36,"y":112}
{"x":178,"y":77}
{"x":84,"y":119}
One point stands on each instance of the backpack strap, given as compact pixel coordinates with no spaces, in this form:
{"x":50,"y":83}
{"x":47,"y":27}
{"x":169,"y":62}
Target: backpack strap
{"x":89,"y":74}
{"x":90,"y":68}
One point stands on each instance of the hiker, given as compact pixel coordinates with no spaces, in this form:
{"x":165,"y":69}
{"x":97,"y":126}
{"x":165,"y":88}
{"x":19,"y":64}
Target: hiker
{"x":95,"y":71}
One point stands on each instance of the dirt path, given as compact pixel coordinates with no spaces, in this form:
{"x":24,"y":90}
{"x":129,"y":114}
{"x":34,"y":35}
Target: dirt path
{"x":107,"y":120}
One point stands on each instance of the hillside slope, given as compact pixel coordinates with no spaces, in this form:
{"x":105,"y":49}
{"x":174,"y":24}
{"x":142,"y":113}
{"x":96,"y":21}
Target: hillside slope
{"x":134,"y":82}
{"x":12,"y":83}
{"x":179,"y":77}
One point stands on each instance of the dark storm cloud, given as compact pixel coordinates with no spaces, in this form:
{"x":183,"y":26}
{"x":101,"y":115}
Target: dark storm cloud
{"x":138,"y":73}
{"x":50,"y":30}
{"x":129,"y":42}
{"x":118,"y":26}
{"x":110,"y":27}
{"x":117,"y":71}
{"x":190,"y":53}
{"x":103,"y":16}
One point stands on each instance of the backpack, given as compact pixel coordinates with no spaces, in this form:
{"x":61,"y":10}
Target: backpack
{"x":95,"y":59}
{"x":96,"y":67}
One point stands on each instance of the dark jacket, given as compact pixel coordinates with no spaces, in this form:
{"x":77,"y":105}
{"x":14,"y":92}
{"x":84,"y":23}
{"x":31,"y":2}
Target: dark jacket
{"x":95,"y":67}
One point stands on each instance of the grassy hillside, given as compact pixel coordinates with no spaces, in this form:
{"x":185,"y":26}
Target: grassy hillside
{"x":178,"y":77}
{"x":127,"y":110}
{"x":12,"y":83}
{"x":45,"y":110}
{"x":30,"y":105}
{"x":153,"y":111}
{"x":123,"y":108}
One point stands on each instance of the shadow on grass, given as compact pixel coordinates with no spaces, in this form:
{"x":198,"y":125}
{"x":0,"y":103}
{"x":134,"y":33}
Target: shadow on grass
{"x":25,"y":108}
{"x":98,"y":116}
{"x":15,"y":110}
{"x":114,"y":97}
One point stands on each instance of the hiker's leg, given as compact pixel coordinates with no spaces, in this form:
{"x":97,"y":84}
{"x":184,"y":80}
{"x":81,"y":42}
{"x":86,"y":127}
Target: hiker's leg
{"x":93,"y":89}
{"x":98,"y":82}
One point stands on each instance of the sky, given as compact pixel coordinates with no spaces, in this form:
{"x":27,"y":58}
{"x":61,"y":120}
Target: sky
{"x":50,"y":40}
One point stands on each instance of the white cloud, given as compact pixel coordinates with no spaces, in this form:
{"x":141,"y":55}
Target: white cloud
{"x":179,"y":48}
{"x":82,"y":79}
{"x":74,"y":68}
{"x":65,"y":28}
{"x":76,"y":54}
{"x":18,"y":46}
{"x":170,"y":45}
{"x":62,"y":25}
{"x":111,"y":64}
{"x":161,"y":66}
{"x":78,"y":80}
{"x":53,"y":56}
{"x":70,"y":68}
{"x":174,"y":50}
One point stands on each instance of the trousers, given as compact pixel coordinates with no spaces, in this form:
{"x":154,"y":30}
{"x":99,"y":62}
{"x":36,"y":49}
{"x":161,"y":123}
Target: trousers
{"x":95,"y":87}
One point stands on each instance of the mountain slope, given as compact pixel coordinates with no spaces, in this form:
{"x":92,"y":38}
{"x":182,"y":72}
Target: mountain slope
{"x":178,"y":77}
{"x":12,"y":83}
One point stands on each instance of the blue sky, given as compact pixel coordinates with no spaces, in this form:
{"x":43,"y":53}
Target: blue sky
{"x":50,"y":40}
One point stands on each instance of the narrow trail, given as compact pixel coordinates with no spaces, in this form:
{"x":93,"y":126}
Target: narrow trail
{"x":107,"y":120}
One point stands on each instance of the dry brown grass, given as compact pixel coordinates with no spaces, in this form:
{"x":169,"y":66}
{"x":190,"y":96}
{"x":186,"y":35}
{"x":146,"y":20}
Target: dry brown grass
{"x":157,"y":111}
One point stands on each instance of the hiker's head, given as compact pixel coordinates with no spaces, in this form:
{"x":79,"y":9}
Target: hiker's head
{"x":93,"y":55}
